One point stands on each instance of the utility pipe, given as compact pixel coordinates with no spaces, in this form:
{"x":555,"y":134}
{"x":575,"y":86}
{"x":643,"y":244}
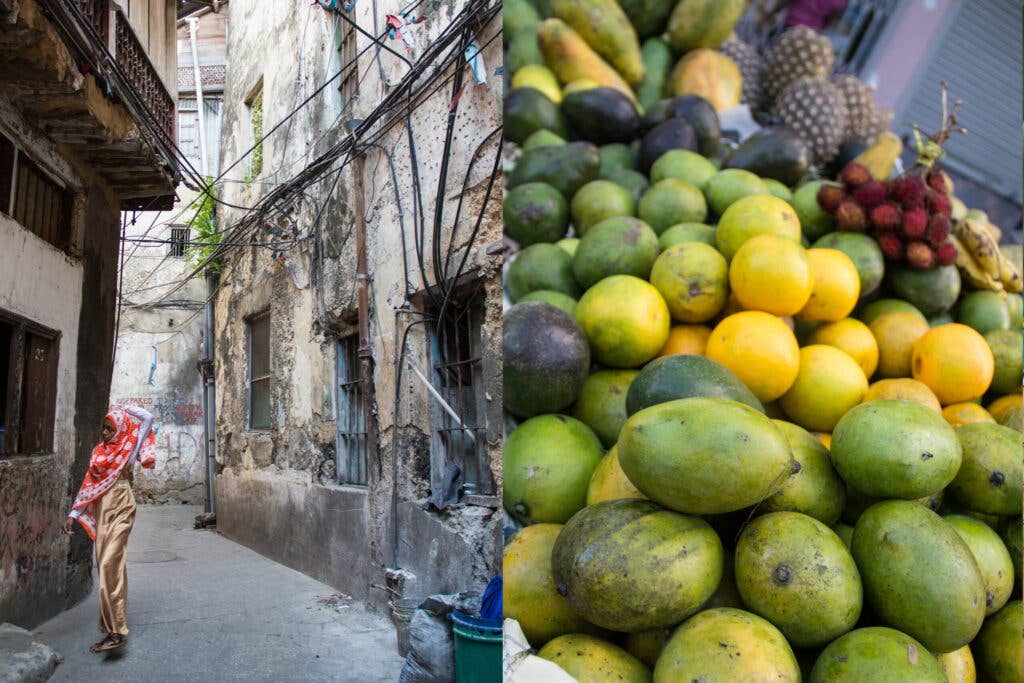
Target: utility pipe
{"x":209,"y":399}
{"x":204,"y":164}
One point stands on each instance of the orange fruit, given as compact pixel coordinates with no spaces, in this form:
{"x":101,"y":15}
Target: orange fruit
{"x":825,"y":438}
{"x":829,"y":383}
{"x":753,"y":215}
{"x":693,"y":278}
{"x":958,"y":414}
{"x":896,"y":334}
{"x":903,"y":389}
{"x":836,"y":286}
{"x":759,"y":349}
{"x":689,"y":339}
{"x":852,"y":336}
{"x":1004,"y":404}
{"x":772,"y":274}
{"x":954,"y":361}
{"x":625,"y":320}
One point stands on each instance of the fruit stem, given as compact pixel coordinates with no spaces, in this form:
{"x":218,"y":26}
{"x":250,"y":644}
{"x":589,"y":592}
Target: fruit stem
{"x":929,"y":149}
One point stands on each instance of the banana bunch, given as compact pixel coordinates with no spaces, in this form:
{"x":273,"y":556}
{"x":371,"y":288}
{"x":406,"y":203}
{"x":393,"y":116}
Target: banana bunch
{"x":979,"y":259}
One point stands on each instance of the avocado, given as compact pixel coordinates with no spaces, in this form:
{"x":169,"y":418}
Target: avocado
{"x":528,"y":110}
{"x":649,"y":17}
{"x":672,"y":134}
{"x":567,"y":168}
{"x":702,"y":116}
{"x":775,"y":152}
{"x":615,"y":156}
{"x":601,"y":115}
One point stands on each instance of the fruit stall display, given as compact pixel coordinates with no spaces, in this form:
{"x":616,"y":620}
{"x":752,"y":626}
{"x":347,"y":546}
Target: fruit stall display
{"x":764,"y":398}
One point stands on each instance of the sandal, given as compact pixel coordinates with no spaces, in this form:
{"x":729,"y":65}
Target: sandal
{"x":111,"y":642}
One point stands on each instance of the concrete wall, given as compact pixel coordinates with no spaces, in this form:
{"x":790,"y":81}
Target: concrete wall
{"x":275,"y":489}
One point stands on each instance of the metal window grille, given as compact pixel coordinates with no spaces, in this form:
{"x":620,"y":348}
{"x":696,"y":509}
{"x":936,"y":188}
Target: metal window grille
{"x":458,"y":376}
{"x":32,"y":198}
{"x":352,"y":446}
{"x":179,"y":240}
{"x":28,"y":386}
{"x":347,"y":56}
{"x":259,"y":372}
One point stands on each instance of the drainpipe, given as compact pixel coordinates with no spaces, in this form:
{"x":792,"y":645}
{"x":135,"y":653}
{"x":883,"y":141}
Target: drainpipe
{"x":209,"y":404}
{"x":193,"y":29}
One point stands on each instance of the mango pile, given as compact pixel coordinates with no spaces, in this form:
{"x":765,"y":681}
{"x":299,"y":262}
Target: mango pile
{"x":746,"y":445}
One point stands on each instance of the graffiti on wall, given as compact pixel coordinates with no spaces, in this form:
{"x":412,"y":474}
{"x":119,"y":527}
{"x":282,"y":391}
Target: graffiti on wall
{"x":168,"y":409}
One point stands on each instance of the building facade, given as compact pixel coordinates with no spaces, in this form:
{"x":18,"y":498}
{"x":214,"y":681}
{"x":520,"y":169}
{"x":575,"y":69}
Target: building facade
{"x":160,"y":332}
{"x":357,"y":340}
{"x":84,"y":107}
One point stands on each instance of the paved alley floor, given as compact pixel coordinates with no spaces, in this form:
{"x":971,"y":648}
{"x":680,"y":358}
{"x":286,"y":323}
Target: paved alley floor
{"x":204,"y":608}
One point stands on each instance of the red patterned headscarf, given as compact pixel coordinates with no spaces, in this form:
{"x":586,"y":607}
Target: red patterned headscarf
{"x":108,"y":461}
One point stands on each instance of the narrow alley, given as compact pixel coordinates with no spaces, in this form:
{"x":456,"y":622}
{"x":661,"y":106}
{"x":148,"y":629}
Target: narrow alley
{"x":204,"y":608}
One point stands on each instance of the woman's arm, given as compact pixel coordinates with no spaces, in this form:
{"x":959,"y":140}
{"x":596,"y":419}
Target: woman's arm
{"x":145,"y":419}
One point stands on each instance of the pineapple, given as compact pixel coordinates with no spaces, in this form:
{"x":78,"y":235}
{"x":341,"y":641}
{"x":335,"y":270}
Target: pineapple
{"x":752,"y":68}
{"x":815,"y":110}
{"x":799,"y":52}
{"x":860,"y":108}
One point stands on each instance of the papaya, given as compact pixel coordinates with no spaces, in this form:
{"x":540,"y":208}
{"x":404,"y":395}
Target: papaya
{"x":813,"y":486}
{"x":529,"y":594}
{"x":795,"y":572}
{"x":679,"y":376}
{"x":601,"y":404}
{"x":710,"y":75}
{"x":548,"y":462}
{"x":518,"y":15}
{"x":895,"y":449}
{"x":876,"y":653}
{"x":589,"y":659}
{"x":774,"y":152}
{"x":657,"y":58}
{"x":702,"y":23}
{"x":607,"y":30}
{"x":630,"y":565}
{"x":523,"y":50}
{"x":602,"y":115}
{"x":918,"y":574}
{"x":704,"y":455}
{"x":998,"y":649}
{"x":566,"y":168}
{"x":880,"y":157}
{"x":727,"y":644}
{"x":569,"y":56}
{"x":990,"y":478}
{"x":546,"y":359}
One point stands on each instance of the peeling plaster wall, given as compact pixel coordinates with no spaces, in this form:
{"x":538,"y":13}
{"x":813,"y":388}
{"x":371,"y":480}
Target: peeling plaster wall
{"x":275,"y":489}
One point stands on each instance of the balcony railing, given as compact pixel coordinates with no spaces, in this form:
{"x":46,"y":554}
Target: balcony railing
{"x":133,"y":60}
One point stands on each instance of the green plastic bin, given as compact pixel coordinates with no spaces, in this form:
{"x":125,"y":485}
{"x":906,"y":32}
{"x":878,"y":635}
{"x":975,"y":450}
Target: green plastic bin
{"x":477,"y":649}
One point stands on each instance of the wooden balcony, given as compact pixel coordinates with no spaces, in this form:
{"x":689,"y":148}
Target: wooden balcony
{"x":119,"y":120}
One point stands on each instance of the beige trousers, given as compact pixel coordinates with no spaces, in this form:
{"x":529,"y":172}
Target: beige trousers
{"x":114,"y":520}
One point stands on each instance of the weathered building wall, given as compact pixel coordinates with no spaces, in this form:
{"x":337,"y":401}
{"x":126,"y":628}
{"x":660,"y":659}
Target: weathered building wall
{"x":41,"y":572}
{"x":276,"y":489}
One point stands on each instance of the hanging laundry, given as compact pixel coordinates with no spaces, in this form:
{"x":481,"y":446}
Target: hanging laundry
{"x":403,"y":27}
{"x":475,"y":59}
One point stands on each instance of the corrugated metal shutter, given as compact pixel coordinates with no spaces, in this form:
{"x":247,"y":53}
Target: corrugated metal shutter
{"x":978,"y":54}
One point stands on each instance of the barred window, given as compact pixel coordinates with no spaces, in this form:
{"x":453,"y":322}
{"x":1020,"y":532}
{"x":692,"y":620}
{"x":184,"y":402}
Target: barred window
{"x":32,"y":198}
{"x":353,"y":443}
{"x":179,"y":240}
{"x":346,"y":40}
{"x":456,"y":349}
{"x":254,"y":102}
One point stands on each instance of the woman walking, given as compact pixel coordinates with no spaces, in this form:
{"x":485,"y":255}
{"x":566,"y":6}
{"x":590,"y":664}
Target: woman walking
{"x":105,"y":507}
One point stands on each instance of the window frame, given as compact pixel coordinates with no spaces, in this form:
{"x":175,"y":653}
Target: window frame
{"x":348,"y":59}
{"x":254,"y":103}
{"x":250,"y":379}
{"x":351,"y":398}
{"x":34,"y":198}
{"x":14,"y":398}
{"x":478,"y":482}
{"x":179,"y":241}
